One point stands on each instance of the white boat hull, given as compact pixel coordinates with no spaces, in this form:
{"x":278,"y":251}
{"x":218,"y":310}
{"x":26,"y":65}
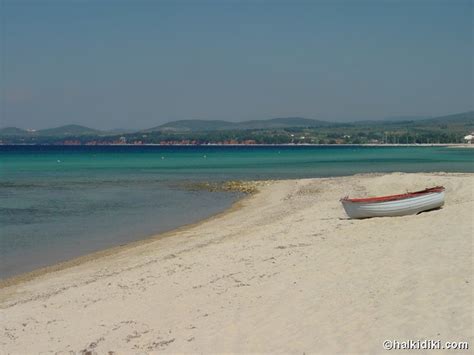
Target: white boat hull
{"x":403,"y":207}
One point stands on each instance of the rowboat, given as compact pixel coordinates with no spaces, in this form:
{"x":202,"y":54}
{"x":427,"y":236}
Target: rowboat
{"x":395,"y":205}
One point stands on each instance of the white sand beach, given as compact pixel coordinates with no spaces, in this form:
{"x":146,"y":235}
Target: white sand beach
{"x":285,"y":270}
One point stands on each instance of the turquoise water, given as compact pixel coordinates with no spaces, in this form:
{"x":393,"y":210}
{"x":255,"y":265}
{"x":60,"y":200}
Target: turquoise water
{"x":60,"y":202}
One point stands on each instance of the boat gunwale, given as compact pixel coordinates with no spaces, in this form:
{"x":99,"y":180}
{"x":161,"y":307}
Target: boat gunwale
{"x":408,"y":195}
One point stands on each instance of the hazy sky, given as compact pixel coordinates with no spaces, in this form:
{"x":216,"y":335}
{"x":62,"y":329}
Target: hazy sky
{"x":137,"y":64}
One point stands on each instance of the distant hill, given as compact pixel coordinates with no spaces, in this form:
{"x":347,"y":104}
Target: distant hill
{"x":63,"y":131}
{"x":405,"y":118}
{"x":284,"y":122}
{"x":13,"y":131}
{"x":460,"y":123}
{"x":218,"y":125}
{"x":193,"y":125}
{"x":464,"y":119}
{"x":460,"y":118}
{"x":68,"y":130}
{"x":117,"y":131}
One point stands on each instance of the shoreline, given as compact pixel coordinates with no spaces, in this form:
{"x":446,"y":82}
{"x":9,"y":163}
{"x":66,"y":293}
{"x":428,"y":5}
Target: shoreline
{"x":111,"y":251}
{"x":249,"y":189}
{"x":448,"y":145}
{"x":282,"y":270}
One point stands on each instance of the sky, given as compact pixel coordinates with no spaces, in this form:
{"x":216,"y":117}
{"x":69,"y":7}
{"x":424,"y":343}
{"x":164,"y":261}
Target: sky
{"x":137,"y":64}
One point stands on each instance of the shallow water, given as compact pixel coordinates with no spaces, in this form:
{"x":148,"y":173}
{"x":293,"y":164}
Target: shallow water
{"x":60,"y":202}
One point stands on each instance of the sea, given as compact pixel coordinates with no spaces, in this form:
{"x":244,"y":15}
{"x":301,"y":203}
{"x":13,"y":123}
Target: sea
{"x":60,"y":202}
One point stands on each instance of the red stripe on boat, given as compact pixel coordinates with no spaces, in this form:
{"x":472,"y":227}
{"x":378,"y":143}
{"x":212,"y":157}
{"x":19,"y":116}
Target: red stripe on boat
{"x":396,"y":197}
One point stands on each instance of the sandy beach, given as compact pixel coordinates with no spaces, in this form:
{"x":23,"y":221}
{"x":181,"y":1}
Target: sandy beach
{"x":284,"y":270}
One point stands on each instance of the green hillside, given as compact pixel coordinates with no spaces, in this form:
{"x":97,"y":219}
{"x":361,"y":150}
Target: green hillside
{"x":285,"y":122}
{"x":445,"y":129}
{"x":13,"y":131}
{"x":219,"y":125}
{"x":68,"y":130}
{"x":193,"y":125}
